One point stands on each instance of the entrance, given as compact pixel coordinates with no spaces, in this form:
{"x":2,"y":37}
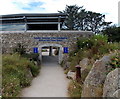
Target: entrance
{"x":51,"y":50}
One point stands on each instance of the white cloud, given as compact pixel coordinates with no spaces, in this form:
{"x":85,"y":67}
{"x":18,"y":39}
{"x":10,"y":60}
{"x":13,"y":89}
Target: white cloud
{"x":107,"y":7}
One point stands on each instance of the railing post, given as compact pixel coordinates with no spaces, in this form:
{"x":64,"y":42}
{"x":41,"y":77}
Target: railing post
{"x":78,"y":73}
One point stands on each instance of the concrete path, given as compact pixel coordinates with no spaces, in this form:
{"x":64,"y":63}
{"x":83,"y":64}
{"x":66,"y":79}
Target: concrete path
{"x":51,"y":82}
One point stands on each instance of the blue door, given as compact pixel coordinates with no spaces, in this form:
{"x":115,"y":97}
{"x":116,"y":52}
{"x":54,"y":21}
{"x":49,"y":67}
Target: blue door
{"x":35,"y":50}
{"x":65,"y":49}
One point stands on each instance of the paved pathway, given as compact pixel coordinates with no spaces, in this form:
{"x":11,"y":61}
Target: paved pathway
{"x":51,"y":82}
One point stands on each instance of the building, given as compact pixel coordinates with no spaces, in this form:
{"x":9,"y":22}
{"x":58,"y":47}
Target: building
{"x":26,"y":22}
{"x":38,"y":31}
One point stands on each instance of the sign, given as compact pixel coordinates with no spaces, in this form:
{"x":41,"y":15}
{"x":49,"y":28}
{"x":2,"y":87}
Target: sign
{"x":65,"y":49}
{"x":53,"y":39}
{"x":35,"y":50}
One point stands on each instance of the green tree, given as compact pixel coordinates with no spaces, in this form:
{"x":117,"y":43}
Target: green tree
{"x":113,"y":33}
{"x":80,"y":19}
{"x":72,"y":16}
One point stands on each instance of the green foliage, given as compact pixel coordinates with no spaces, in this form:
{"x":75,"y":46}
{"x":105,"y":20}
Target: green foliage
{"x":115,"y":61}
{"x":75,"y":60}
{"x":80,"y":19}
{"x":113,"y":33}
{"x":16,"y":74}
{"x":33,"y":56}
{"x":75,"y":89}
{"x":19,"y":49}
{"x":94,"y":47}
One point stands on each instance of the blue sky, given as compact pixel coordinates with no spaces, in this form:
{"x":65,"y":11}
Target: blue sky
{"x":30,"y":6}
{"x":107,"y":7}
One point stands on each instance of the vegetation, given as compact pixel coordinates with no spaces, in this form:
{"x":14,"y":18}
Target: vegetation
{"x":19,"y":49}
{"x":80,"y":19}
{"x":113,"y":33}
{"x":115,"y":61}
{"x":18,"y":70}
{"x":74,"y":89}
{"x":92,"y":48}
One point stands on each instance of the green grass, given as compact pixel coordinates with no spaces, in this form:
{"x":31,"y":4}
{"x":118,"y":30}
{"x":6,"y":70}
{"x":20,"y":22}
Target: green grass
{"x":15,"y":72}
{"x":74,"y":89}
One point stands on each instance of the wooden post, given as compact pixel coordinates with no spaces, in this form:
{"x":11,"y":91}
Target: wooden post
{"x":78,"y":73}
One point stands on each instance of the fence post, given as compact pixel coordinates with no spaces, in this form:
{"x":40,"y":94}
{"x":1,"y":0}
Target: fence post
{"x":78,"y":73}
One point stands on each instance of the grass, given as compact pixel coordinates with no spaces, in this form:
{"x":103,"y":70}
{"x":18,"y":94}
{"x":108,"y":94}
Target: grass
{"x":74,"y":89}
{"x":16,"y":74}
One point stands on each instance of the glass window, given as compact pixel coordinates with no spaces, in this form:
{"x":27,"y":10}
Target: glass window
{"x":12,"y":27}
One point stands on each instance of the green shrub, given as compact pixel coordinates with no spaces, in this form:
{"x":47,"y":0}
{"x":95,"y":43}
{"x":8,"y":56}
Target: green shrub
{"x":11,"y":86}
{"x":19,"y":49}
{"x":115,"y":61}
{"x":34,"y":70}
{"x":16,"y":71}
{"x":76,"y":59}
{"x":74,"y":89}
{"x":94,"y":47}
{"x":33,"y":56}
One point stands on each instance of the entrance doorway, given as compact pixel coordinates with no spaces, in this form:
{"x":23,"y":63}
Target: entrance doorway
{"x":51,"y":50}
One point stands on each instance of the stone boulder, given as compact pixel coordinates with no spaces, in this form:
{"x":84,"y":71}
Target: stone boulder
{"x":117,"y":94}
{"x":84,"y":63}
{"x":93,"y":83}
{"x":71,"y":75}
{"x":112,"y":84}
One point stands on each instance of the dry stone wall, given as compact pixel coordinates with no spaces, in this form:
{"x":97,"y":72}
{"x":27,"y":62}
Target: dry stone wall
{"x":32,"y":39}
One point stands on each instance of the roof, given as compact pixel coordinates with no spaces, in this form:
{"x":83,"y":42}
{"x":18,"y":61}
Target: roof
{"x":33,"y":17}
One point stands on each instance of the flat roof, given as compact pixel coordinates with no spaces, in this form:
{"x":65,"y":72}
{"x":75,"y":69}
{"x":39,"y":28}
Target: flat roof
{"x":33,"y":17}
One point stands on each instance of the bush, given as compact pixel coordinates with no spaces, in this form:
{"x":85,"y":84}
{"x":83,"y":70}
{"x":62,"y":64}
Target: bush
{"x":113,"y":33}
{"x":94,"y":47}
{"x":75,"y":89}
{"x":115,"y":61}
{"x":19,"y":49}
{"x":33,"y":56}
{"x":15,"y":74}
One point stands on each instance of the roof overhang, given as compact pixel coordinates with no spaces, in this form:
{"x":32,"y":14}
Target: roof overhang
{"x":33,"y":18}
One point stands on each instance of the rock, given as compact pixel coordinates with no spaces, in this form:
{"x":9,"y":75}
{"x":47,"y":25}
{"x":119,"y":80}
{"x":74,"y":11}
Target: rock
{"x":71,"y":75}
{"x":84,"y":63}
{"x":111,"y":84}
{"x":117,"y":94}
{"x":35,"y":62}
{"x":29,"y":74}
{"x":94,"y":81}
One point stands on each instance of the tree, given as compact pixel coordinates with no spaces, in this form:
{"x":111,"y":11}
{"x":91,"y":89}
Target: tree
{"x":113,"y":33}
{"x":80,"y":19}
{"x":72,"y":16}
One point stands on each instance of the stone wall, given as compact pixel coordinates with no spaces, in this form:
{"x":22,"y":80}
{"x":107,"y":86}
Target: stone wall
{"x":10,"y":39}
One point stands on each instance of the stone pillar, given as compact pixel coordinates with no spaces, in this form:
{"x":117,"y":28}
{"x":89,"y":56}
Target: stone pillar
{"x":59,"y":23}
{"x":40,"y":54}
{"x":50,"y":51}
{"x":60,"y":57}
{"x":25,"y":27}
{"x":58,"y":26}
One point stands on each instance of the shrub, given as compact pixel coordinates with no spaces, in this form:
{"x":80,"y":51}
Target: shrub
{"x":15,"y":72}
{"x":33,"y":56}
{"x":76,"y":59}
{"x":75,"y":89}
{"x":115,"y":61}
{"x":19,"y":49}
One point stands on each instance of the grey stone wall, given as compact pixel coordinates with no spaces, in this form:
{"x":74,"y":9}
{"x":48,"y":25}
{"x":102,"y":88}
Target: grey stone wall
{"x":10,"y":39}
